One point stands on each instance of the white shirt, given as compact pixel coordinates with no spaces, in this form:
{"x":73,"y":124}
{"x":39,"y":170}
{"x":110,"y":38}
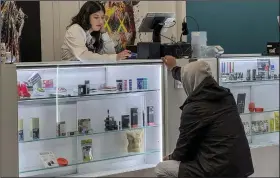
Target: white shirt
{"x":74,"y":46}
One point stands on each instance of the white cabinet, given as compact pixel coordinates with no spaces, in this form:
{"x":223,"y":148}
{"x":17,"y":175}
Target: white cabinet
{"x":64,"y":11}
{"x":47,"y":30}
{"x":55,"y":17}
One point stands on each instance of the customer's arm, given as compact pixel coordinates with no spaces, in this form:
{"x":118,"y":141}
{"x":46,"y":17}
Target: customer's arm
{"x":191,"y":134}
{"x":176,"y":73}
{"x":170,"y":63}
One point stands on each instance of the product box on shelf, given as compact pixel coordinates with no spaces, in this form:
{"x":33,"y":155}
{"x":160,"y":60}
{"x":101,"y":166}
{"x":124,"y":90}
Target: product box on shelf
{"x":86,"y":146}
{"x":35,"y":131}
{"x":48,"y":159}
{"x":84,"y":126}
{"x":20,"y":130}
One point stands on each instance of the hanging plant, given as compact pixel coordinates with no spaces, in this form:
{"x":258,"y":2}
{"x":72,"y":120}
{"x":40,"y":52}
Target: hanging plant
{"x":12,"y":22}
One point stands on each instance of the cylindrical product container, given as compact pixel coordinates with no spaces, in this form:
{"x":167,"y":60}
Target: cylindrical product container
{"x":87,"y":83}
{"x":139,"y":83}
{"x":119,"y":85}
{"x":248,"y":76}
{"x":145,"y":83}
{"x":80,"y":90}
{"x":199,"y":38}
{"x":124,"y":85}
{"x":198,"y":43}
{"x":266,"y":71}
{"x":251,"y":107}
{"x":254,"y":73}
{"x":130,"y":84}
{"x":272,"y":68}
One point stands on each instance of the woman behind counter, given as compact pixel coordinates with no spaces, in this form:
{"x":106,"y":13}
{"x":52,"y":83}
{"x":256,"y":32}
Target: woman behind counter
{"x":86,"y":39}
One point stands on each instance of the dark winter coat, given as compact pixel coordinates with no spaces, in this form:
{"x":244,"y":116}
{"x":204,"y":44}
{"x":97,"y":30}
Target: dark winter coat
{"x":212,"y":140}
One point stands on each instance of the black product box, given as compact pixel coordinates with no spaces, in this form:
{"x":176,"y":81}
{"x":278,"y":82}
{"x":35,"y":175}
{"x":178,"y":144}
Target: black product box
{"x":61,"y":128}
{"x":132,"y":48}
{"x":177,"y":50}
{"x":125,"y":122}
{"x":273,"y":48}
{"x":35,"y":131}
{"x":241,"y":102}
{"x":148,"y":50}
{"x":150,"y":116}
{"x":134,"y":117}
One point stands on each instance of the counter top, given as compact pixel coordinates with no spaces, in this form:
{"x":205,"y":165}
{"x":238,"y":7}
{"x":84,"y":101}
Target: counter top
{"x":92,"y":62}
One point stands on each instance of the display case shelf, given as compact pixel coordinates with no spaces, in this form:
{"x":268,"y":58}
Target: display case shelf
{"x":98,"y":117}
{"x":116,"y":172}
{"x":263,"y":140}
{"x":105,"y":158}
{"x":249,"y":83}
{"x":254,"y":83}
{"x":258,"y":113}
{"x":264,"y":133}
{"x":94,"y":133}
{"x":80,"y":98}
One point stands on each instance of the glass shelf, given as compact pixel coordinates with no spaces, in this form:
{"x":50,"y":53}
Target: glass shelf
{"x":263,"y":133}
{"x":98,"y":160}
{"x":94,"y":133}
{"x":264,"y":140}
{"x":82,"y":97}
{"x":249,"y":83}
{"x":250,"y":113}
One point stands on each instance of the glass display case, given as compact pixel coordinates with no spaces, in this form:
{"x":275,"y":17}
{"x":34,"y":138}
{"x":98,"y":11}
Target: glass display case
{"x":89,"y":119}
{"x":254,"y":82}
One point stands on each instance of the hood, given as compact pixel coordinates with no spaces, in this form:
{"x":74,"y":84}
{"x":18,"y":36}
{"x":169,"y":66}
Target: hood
{"x":193,"y":74}
{"x":199,"y":84}
{"x":208,"y":90}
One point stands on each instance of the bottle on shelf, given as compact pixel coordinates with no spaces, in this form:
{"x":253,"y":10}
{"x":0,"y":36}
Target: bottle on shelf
{"x":266,"y":74}
{"x":272,"y":68}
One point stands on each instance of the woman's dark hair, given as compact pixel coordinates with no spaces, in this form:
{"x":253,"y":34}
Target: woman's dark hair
{"x":83,"y":19}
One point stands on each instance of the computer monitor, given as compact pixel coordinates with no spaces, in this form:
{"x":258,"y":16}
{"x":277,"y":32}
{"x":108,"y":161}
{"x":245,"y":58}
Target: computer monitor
{"x":155,"y":22}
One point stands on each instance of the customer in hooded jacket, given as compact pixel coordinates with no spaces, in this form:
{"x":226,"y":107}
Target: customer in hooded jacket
{"x":212,"y":141}
{"x":86,"y":38}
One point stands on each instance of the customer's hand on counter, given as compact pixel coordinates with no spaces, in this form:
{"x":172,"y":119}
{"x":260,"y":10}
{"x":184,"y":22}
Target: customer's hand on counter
{"x":123,"y":55}
{"x":169,"y":61}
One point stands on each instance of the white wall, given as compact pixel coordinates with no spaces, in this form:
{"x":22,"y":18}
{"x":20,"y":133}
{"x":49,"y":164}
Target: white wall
{"x":56,"y":15}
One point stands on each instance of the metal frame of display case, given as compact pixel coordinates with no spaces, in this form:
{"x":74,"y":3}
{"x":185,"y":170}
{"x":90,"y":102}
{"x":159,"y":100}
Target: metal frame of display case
{"x":8,"y":121}
{"x":15,"y":169}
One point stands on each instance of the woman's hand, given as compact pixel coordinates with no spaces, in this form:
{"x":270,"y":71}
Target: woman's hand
{"x":102,"y":30}
{"x":169,"y":61}
{"x":123,"y":55}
